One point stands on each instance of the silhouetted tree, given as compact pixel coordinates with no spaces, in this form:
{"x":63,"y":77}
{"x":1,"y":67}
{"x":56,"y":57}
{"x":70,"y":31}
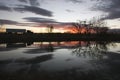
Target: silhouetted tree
{"x":2,"y":29}
{"x":79,"y":26}
{"x":98,"y":25}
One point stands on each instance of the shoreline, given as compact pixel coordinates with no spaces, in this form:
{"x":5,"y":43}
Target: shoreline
{"x":49,"y":37}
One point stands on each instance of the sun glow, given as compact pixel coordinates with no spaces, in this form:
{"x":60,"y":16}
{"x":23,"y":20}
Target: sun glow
{"x":61,"y":30}
{"x":81,"y":30}
{"x":45,"y":30}
{"x":2,"y":29}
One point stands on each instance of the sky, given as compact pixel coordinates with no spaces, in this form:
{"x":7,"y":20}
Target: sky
{"x":35,"y":15}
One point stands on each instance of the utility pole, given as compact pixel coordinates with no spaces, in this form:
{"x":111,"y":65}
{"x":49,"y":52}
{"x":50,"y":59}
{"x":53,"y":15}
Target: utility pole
{"x":0,"y":24}
{"x":50,"y":28}
{"x":2,"y":28}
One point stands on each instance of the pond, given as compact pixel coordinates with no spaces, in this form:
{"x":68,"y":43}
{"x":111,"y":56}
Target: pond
{"x":73,"y":60}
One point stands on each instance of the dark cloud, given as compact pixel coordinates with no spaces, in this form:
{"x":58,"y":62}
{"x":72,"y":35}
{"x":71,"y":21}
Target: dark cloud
{"x":40,"y":20}
{"x":46,"y":21}
{"x":10,"y":22}
{"x":75,"y":1}
{"x":35,"y":10}
{"x":5,"y":8}
{"x":112,"y":7}
{"x":68,"y":10}
{"x":43,"y":22}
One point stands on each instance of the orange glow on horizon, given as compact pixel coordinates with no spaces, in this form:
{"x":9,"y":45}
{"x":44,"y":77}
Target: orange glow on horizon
{"x":62,"y":29}
{"x":82,"y":30}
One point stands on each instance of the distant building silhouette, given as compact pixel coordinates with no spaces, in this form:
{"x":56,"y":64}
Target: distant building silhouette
{"x":17,"y":31}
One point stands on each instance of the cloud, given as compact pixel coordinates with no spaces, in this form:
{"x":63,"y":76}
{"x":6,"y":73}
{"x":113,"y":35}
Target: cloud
{"x":68,"y":10}
{"x":111,"y":7}
{"x":31,"y":2}
{"x":66,"y":23}
{"x":43,"y":22}
{"x":40,"y":20}
{"x":5,"y":8}
{"x":46,"y":21}
{"x":34,"y":2}
{"x":10,"y":22}
{"x":24,"y":1}
{"x":75,"y":1}
{"x":35,"y":10}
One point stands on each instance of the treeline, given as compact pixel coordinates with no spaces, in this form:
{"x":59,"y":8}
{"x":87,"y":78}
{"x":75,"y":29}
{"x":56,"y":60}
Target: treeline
{"x":5,"y":37}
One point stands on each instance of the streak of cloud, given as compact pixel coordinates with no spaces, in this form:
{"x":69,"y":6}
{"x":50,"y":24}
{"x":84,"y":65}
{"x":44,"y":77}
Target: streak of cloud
{"x":5,"y":8}
{"x":10,"y":22}
{"x":24,"y":1}
{"x":36,"y":10}
{"x":68,"y":10}
{"x":39,"y":20}
{"x":75,"y":1}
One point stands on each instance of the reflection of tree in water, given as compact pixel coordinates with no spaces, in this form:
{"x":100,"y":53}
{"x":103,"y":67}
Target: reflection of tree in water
{"x":50,"y":48}
{"x":41,"y":49}
{"x":95,"y":50}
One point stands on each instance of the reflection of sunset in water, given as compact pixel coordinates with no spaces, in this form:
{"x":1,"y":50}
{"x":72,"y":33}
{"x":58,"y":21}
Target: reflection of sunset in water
{"x":61,"y":44}
{"x":58,"y":58}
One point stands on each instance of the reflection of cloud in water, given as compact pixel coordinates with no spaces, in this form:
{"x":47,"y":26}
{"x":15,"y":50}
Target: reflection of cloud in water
{"x":99,"y":64}
{"x":7,"y":49}
{"x":39,"y":50}
{"x":105,"y":69}
{"x":35,"y":60}
{"x":13,"y":65}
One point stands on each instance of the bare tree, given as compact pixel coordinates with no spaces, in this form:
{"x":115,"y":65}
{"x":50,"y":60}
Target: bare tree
{"x":79,"y":26}
{"x":96,"y":24}
{"x":99,"y":25}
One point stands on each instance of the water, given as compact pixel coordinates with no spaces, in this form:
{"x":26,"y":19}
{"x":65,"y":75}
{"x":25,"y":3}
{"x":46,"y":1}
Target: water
{"x":73,"y":60}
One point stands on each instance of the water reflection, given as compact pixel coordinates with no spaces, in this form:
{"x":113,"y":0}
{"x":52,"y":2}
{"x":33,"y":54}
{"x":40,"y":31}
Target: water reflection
{"x":95,"y":50}
{"x":22,"y":66}
{"x":73,"y":60}
{"x":41,"y":48}
{"x":13,"y":46}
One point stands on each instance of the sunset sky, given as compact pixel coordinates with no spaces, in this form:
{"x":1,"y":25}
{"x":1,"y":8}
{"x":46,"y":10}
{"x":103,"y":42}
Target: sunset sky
{"x":36,"y":14}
